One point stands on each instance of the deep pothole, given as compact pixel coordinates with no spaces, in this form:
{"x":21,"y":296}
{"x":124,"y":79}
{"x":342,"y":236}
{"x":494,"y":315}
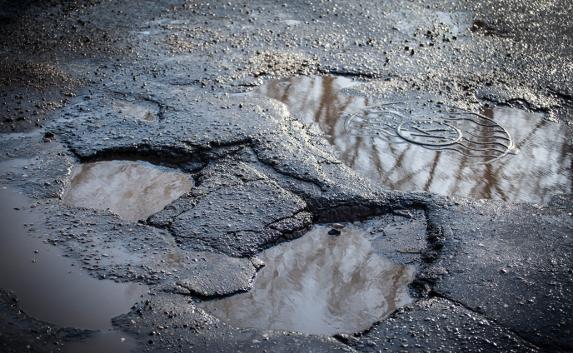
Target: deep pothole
{"x":53,"y":288}
{"x":501,"y":153}
{"x":321,"y":283}
{"x":134,"y":190}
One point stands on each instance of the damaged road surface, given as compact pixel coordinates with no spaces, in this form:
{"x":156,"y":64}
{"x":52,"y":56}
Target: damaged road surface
{"x":250,"y":176}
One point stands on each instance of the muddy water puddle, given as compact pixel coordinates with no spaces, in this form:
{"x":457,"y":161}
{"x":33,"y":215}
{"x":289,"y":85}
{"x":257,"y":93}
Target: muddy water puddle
{"x":134,"y":190}
{"x":53,"y":288}
{"x":320,"y":284}
{"x":501,"y":153}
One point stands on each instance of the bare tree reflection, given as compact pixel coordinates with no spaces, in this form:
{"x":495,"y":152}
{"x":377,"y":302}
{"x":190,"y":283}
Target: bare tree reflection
{"x":320,"y":284}
{"x":540,"y":170}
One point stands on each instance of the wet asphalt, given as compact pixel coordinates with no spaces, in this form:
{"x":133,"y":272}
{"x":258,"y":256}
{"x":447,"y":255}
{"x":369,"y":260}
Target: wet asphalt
{"x":170,"y":83}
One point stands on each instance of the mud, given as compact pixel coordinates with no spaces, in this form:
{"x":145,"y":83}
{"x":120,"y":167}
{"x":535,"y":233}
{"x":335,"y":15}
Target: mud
{"x":320,"y":284}
{"x":132,"y":190}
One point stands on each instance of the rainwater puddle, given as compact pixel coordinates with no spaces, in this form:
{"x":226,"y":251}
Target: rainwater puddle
{"x":320,"y":284}
{"x":473,"y":155}
{"x":105,"y":342}
{"x":50,"y":287}
{"x":134,"y":190}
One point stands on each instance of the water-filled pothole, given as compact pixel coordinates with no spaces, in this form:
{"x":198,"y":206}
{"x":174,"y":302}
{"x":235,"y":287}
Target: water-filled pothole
{"x":53,"y":288}
{"x":427,"y":148}
{"x":109,"y":341}
{"x":134,"y":190}
{"x":320,"y":284}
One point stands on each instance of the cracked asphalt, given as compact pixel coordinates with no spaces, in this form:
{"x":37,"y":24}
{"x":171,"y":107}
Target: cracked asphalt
{"x":169,"y":82}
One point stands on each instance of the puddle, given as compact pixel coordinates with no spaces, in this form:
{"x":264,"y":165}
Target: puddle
{"x":134,"y":190}
{"x":109,"y":341}
{"x":471,"y":159}
{"x":51,"y":287}
{"x":319,"y":284}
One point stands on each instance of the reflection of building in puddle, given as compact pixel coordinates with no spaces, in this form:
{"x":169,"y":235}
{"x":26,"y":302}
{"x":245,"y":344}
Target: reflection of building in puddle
{"x":320,"y":284}
{"x":134,"y":190}
{"x":540,"y":170}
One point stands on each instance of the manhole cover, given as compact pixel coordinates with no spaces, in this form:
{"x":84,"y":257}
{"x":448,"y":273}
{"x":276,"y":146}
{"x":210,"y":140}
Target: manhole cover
{"x":365,"y":136}
{"x":429,"y":133}
{"x":438,"y":127}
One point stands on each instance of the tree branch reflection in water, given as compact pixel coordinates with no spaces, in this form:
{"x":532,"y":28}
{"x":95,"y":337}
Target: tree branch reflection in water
{"x":320,"y":284}
{"x":540,"y":170}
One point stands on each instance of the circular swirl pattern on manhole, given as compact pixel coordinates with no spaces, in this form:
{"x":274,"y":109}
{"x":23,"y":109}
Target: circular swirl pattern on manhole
{"x":429,"y":132}
{"x":438,"y":127}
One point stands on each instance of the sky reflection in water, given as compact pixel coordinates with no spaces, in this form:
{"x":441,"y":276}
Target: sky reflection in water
{"x":320,"y":284}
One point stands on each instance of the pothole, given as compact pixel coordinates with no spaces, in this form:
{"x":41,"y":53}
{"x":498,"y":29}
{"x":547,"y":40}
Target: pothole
{"x":53,"y":288}
{"x":320,"y":283}
{"x":134,"y":190}
{"x":110,"y":341}
{"x":501,"y":153}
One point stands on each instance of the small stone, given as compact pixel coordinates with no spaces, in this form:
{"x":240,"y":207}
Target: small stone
{"x":404,"y":213}
{"x":337,"y":226}
{"x":48,"y":136}
{"x":258,"y":263}
{"x":334,"y":232}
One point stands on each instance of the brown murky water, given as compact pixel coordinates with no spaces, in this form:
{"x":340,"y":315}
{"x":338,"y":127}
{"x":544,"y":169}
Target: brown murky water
{"x":134,"y":190}
{"x":541,"y":169}
{"x":54,"y":288}
{"x":320,"y":284}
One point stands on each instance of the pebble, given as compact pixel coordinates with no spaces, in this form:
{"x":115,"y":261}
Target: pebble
{"x":334,"y":232}
{"x":337,"y":226}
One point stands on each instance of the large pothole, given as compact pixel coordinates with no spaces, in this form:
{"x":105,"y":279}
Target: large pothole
{"x":53,"y":288}
{"x":320,"y":283}
{"x":413,"y":146}
{"x":134,"y":190}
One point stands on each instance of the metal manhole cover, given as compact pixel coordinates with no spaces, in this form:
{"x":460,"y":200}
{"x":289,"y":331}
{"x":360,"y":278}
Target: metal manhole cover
{"x":438,"y":127}
{"x":429,"y":133}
